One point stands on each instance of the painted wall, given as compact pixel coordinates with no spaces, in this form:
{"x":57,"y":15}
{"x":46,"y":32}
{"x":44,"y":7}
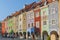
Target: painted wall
{"x":3,"y":27}
{"x":44,"y":18}
{"x":53,"y":16}
{"x":37,"y":19}
{"x":6,"y":26}
{"x":24,"y":24}
{"x":20,"y":29}
{"x":16,"y":22}
{"x":30,"y":19}
{"x":10,"y":25}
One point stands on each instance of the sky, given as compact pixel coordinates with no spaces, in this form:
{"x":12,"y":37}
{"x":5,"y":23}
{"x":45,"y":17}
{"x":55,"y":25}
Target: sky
{"x":7,"y":7}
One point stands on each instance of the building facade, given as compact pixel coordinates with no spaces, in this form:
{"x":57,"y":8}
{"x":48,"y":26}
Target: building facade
{"x":10,"y":24}
{"x":14,"y":23}
{"x":37,"y":20}
{"x":44,"y":22}
{"x":24,"y":24}
{"x":20,"y":28}
{"x":30,"y":20}
{"x":53,"y":20}
{"x":3,"y":28}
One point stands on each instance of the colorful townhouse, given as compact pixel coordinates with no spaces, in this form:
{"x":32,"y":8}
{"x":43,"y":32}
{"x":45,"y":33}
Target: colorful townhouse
{"x":16,"y":21}
{"x":30,"y":19}
{"x":6,"y":25}
{"x":3,"y":28}
{"x":24,"y":24}
{"x":44,"y":22}
{"x":10,"y":24}
{"x":20,"y":24}
{"x":53,"y":20}
{"x":15,"y":28}
{"x":37,"y":20}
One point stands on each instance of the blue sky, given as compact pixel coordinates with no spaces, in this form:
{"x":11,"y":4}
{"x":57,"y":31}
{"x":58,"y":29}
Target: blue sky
{"x":7,"y":7}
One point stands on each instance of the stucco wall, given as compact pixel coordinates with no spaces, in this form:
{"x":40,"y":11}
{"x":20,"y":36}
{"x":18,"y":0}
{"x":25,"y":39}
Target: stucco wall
{"x":44,"y":17}
{"x":24,"y":24}
{"x":20,"y":22}
{"x":30,"y":18}
{"x":53,"y":15}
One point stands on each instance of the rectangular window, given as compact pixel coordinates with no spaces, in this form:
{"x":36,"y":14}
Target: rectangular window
{"x":20,"y":26}
{"x":28,"y":25}
{"x":44,"y":23}
{"x":44,"y":13}
{"x":31,"y":15}
{"x":20,"y":19}
{"x":32,"y":24}
{"x":53,"y":22}
{"x":37,"y":14}
{"x":53,"y":10}
{"x":37,"y":24}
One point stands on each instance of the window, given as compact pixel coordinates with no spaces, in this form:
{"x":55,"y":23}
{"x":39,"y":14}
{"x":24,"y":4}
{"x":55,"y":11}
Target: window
{"x":28,"y":25}
{"x":20,"y":26}
{"x":31,"y":15}
{"x":32,"y":24}
{"x":37,"y":24}
{"x":53,"y":22}
{"x":20,"y":19}
{"x":53,"y":10}
{"x":44,"y":12}
{"x":37,"y":14}
{"x":20,"y":30}
{"x":24,"y":18}
{"x":44,"y":22}
{"x":45,"y":17}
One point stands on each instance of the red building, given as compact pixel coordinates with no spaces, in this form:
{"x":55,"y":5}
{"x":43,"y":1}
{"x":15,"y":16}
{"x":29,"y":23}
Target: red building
{"x":3,"y":28}
{"x":37,"y":20}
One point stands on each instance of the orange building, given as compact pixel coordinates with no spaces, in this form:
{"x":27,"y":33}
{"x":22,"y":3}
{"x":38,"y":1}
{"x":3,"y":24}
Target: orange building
{"x":3,"y":28}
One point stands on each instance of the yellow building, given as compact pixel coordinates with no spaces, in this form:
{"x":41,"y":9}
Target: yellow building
{"x":24,"y":22}
{"x":15,"y":27}
{"x":20,"y":19}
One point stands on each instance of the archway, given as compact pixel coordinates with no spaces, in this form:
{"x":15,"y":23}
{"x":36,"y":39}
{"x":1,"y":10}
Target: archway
{"x":45,"y":35}
{"x":54,"y":35}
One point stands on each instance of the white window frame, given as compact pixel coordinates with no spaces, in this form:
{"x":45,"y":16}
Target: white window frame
{"x":45,"y":21}
{"x":37,"y":14}
{"x":37,"y":24}
{"x":54,"y":22}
